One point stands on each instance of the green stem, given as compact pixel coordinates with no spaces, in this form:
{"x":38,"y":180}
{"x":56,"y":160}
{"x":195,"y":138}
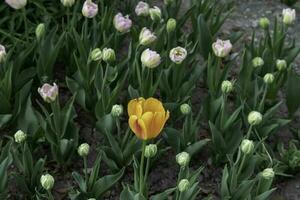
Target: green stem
{"x":50,"y":195}
{"x":262,"y":102}
{"x":142,"y":167}
{"x":249,"y":132}
{"x":241,"y":166}
{"x":147,"y":170}
{"x":25,"y":23}
{"x":85,"y":170}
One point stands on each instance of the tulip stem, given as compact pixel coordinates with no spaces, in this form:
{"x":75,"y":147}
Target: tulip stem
{"x":241,"y":166}
{"x":147,"y":170}
{"x":261,"y":105}
{"x":50,"y":195}
{"x":142,"y":167}
{"x":249,"y":132}
{"x":85,"y":170}
{"x":25,"y":23}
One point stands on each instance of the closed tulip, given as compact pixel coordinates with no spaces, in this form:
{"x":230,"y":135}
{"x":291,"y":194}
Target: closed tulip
{"x":222,"y":48}
{"x":89,"y":9}
{"x":121,"y":23}
{"x":48,"y":92}
{"x":147,"y":117}
{"x":16,"y":4}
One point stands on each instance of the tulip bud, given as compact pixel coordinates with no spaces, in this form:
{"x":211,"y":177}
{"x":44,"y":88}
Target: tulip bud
{"x":281,"y":65}
{"x":83,"y":150}
{"x":178,"y":54}
{"x":264,"y":23}
{"x":48,"y":92}
{"x":150,"y":150}
{"x":142,"y":9}
{"x":269,"y":78}
{"x":247,"y":146}
{"x":40,"y":31}
{"x":96,"y":55}
{"x":146,"y":37}
{"x":171,"y":25}
{"x":155,"y":13}
{"x":47,"y":181}
{"x":16,"y":4}
{"x":89,"y":9}
{"x":168,"y":2}
{"x":150,"y":58}
{"x":67,"y":3}
{"x":289,"y":16}
{"x":91,"y":199}
{"x":227,"y":87}
{"x":121,"y":23}
{"x":117,"y":110}
{"x":109,"y":55}
{"x":222,"y":48}
{"x":183,"y":159}
{"x":183,"y":185}
{"x":268,"y":173}
{"x":185,"y":109}
{"x":20,"y":136}
{"x":254,"y":118}
{"x":2,"y":54}
{"x":257,"y":62}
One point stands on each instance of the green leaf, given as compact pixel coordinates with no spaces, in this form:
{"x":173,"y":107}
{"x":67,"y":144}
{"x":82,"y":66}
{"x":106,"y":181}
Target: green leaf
{"x":80,"y":181}
{"x":293,"y":91}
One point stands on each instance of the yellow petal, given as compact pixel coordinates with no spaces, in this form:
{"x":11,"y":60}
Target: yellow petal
{"x":135,"y":107}
{"x":138,"y":127}
{"x":148,"y":119}
{"x":153,"y":105}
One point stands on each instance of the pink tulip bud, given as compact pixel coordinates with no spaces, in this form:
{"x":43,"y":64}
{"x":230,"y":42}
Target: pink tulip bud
{"x":48,"y":92}
{"x":121,"y":23}
{"x":89,"y":9}
{"x":222,"y":48}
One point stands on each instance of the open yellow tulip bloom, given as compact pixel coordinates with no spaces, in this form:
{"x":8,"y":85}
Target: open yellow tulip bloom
{"x":147,"y":117}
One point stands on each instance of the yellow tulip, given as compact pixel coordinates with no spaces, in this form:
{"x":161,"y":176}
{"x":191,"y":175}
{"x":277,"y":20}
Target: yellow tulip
{"x":147,"y":117}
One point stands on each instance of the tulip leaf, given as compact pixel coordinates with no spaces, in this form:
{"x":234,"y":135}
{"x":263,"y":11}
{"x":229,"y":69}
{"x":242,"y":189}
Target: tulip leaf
{"x":293,"y":91}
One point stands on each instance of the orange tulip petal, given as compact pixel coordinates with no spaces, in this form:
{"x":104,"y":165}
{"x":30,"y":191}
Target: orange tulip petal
{"x":138,"y":127}
{"x":153,"y":105}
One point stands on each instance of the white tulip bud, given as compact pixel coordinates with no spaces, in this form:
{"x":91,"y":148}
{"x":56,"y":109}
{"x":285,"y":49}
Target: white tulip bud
{"x":89,"y":9}
{"x":257,"y":62}
{"x":121,"y":23}
{"x":185,"y":109}
{"x":84,"y":149}
{"x":142,"y":9}
{"x":16,"y":4}
{"x":289,"y":16}
{"x":183,"y":185}
{"x":171,"y":25}
{"x":2,"y":54}
{"x":150,"y":58}
{"x":40,"y":31}
{"x":20,"y":136}
{"x":96,"y":54}
{"x":150,"y":150}
{"x":268,"y":78}
{"x":48,"y":92}
{"x":155,"y":13}
{"x":146,"y":37}
{"x":247,"y":146}
{"x":222,"y":48}
{"x":183,"y":159}
{"x":227,"y":87}
{"x":117,"y":110}
{"x":67,"y":3}
{"x":281,"y":65}
{"x":254,"y":118}
{"x":47,"y":181}
{"x":268,"y":173}
{"x":264,"y":23}
{"x":109,"y":55}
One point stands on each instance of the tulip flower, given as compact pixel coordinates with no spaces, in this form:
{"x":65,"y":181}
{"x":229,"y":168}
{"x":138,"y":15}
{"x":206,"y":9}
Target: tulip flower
{"x":142,"y":9}
{"x":146,"y":37}
{"x":2,"y":53}
{"x":89,"y":9}
{"x":67,"y":3}
{"x":222,"y":48}
{"x":48,"y":92}
{"x":155,"y":13}
{"x":178,"y":54}
{"x":121,"y":23}
{"x":150,"y":58}
{"x":289,"y":16}
{"x":16,"y":4}
{"x":147,"y":117}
